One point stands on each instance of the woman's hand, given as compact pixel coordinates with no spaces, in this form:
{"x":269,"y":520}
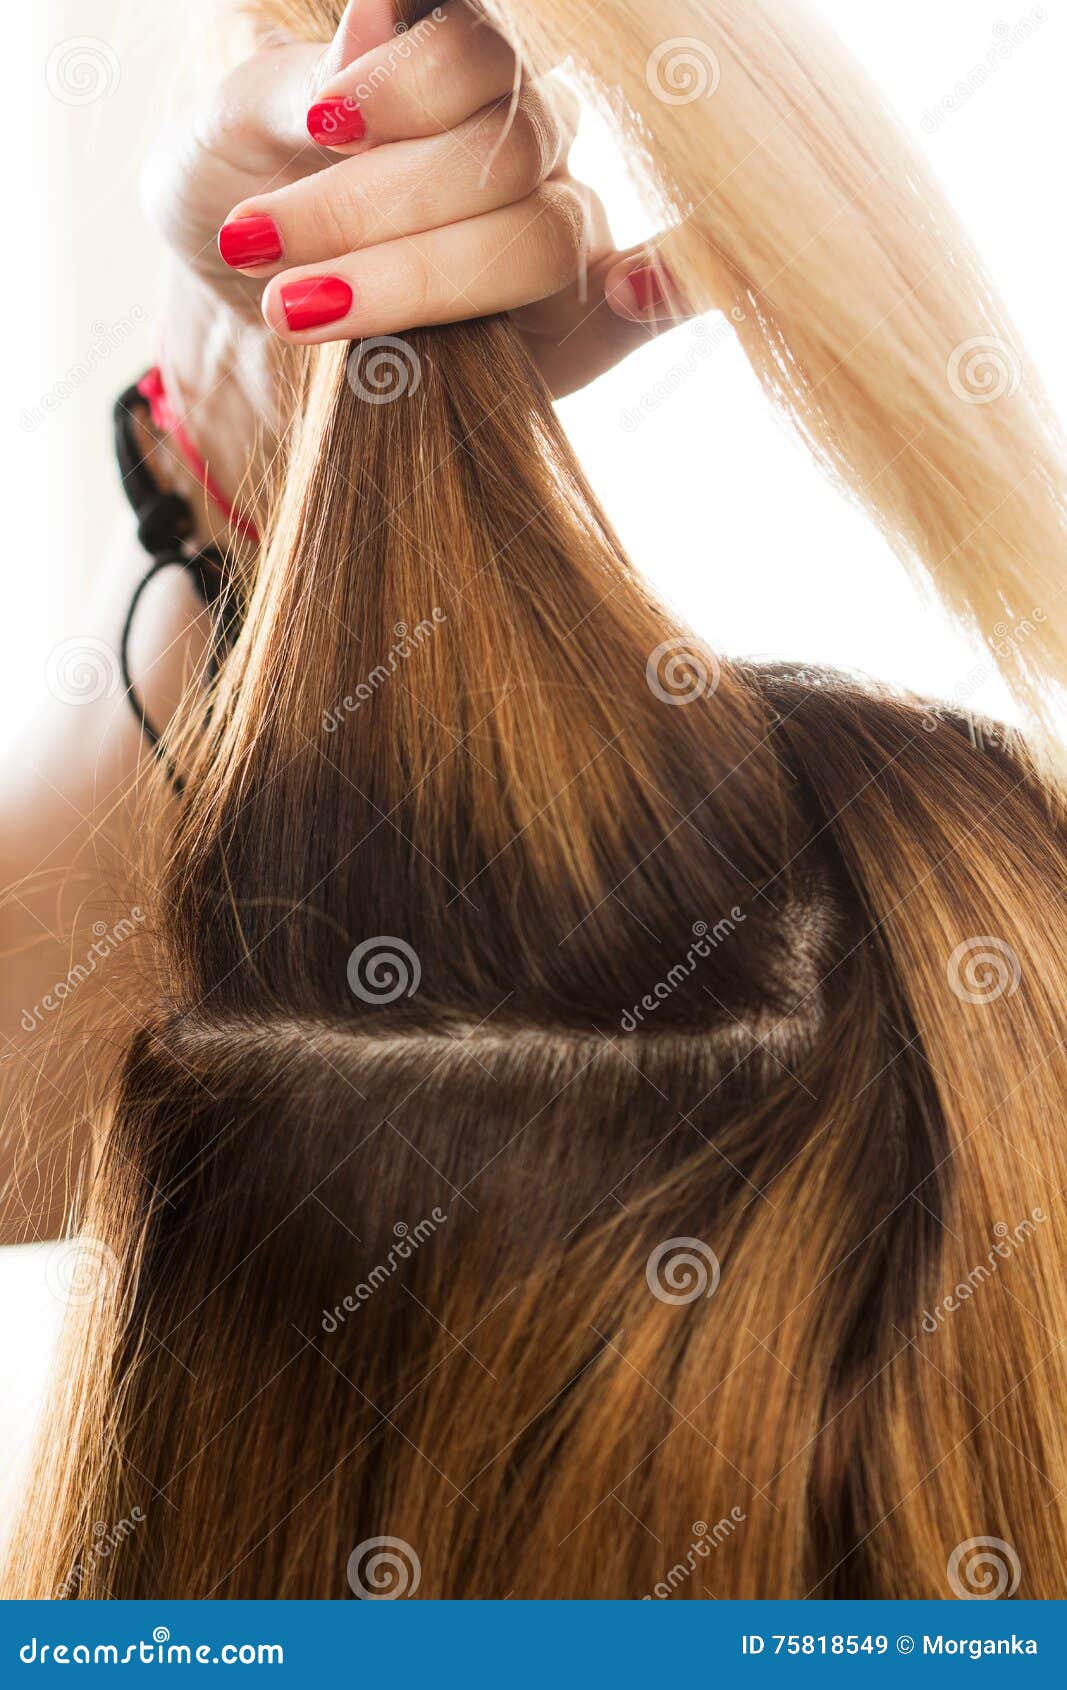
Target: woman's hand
{"x":388,"y":181}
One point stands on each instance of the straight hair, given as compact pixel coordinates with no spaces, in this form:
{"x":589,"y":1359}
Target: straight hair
{"x":592,"y":1091}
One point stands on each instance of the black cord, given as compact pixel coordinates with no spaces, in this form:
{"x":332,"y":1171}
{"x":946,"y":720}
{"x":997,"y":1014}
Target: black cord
{"x":164,"y":525}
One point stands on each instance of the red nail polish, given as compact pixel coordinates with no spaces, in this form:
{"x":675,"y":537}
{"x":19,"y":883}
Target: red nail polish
{"x":647,"y":290}
{"x":250,"y":240}
{"x":336,"y":122}
{"x":315,"y":300}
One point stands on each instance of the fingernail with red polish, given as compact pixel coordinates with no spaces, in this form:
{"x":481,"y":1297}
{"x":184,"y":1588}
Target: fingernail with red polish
{"x":315,"y":300}
{"x":647,"y":289}
{"x":336,"y":122}
{"x":250,"y":240}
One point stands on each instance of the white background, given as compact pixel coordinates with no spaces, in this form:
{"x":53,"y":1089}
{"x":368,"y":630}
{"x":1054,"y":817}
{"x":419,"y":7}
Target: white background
{"x":719,"y":506}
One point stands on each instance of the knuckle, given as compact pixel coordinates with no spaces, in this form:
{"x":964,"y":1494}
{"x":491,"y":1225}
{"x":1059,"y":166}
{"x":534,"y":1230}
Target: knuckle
{"x":536,"y":138}
{"x":518,"y":145}
{"x":419,"y":97}
{"x":416,"y":289}
{"x":540,"y":122}
{"x":341,"y":218}
{"x":510,"y":153}
{"x":566,"y":229}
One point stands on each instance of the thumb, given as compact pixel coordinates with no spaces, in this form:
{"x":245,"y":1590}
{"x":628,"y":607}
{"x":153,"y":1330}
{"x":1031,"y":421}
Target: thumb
{"x":626,"y":299}
{"x":639,"y":288}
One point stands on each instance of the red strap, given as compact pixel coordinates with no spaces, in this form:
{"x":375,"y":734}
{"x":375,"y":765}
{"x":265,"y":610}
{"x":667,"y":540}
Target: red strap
{"x":163,"y":414}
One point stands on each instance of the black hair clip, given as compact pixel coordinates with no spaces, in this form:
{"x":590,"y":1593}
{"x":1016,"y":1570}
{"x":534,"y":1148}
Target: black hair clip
{"x":164,"y":526}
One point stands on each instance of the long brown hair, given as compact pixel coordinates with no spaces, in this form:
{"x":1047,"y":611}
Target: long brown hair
{"x":585,"y":1077}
